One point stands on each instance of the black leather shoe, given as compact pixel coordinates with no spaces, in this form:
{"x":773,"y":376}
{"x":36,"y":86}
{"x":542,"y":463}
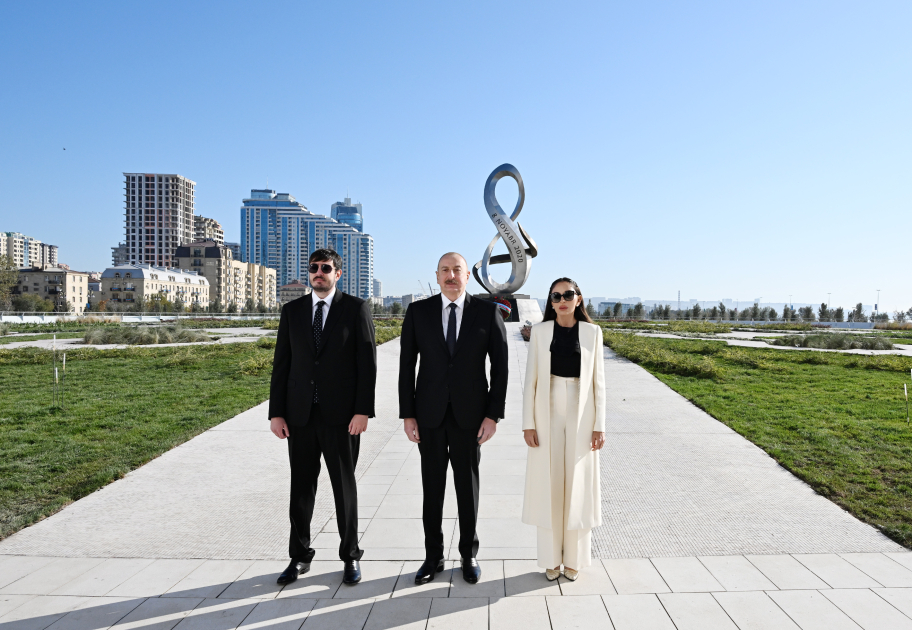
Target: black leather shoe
{"x":429,"y":569}
{"x":470,"y":570}
{"x":291,"y":573}
{"x":352,"y":572}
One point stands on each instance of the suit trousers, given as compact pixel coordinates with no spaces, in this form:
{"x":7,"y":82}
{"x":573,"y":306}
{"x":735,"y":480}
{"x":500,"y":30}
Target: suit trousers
{"x":559,"y":545}
{"x":449,"y":443}
{"x":340,"y":452}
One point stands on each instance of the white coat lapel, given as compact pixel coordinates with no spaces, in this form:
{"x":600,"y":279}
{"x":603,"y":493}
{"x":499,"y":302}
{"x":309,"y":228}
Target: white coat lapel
{"x":586,"y":349}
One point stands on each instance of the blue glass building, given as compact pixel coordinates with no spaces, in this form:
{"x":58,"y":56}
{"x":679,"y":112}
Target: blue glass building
{"x":281,"y":233}
{"x":348,"y":213}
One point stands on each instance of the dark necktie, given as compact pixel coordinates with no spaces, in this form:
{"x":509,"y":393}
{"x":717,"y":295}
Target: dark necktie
{"x":318,"y":336}
{"x":451,"y":330}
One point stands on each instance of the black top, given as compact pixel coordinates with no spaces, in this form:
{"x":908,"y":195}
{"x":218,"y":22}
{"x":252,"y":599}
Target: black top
{"x":565,"y":351}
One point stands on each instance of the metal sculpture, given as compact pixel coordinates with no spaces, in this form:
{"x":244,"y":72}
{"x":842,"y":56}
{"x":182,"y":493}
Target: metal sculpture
{"x":520,"y":256}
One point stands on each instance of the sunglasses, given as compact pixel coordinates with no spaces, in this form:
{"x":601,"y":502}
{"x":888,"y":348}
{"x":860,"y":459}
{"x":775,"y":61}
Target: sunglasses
{"x":325,"y":268}
{"x":567,"y":295}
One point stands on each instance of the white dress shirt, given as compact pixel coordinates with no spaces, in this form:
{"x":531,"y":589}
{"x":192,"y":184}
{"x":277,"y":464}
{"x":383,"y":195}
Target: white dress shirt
{"x":460,"y":308}
{"x":328,"y":299}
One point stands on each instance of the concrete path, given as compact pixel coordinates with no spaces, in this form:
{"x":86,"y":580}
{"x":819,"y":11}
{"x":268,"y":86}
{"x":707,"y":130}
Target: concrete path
{"x":702,"y":530}
{"x":221,"y":335}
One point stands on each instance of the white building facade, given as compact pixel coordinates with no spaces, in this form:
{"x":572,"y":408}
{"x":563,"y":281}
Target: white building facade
{"x":158,"y":217}
{"x":27,"y":251}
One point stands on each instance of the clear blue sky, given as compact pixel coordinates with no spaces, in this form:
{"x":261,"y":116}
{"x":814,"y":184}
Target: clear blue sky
{"x":726,"y":149}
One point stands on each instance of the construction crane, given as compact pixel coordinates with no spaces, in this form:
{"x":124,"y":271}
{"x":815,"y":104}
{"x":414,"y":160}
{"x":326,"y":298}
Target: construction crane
{"x":430,"y":289}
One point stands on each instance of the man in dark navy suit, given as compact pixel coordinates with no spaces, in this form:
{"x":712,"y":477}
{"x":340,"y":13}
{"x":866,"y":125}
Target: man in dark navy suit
{"x":450,"y":412}
{"x":322,"y":394}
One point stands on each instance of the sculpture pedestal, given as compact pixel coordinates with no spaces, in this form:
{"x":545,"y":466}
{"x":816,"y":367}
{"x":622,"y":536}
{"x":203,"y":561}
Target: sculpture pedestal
{"x":523,"y":308}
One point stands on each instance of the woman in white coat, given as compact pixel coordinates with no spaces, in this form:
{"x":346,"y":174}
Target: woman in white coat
{"x":564,"y":426}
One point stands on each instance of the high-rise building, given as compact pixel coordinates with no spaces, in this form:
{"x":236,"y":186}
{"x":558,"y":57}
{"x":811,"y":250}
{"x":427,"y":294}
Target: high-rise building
{"x":281,"y":233}
{"x":230,"y":281}
{"x":205,"y":229}
{"x":158,"y":216}
{"x":235,"y":250}
{"x":27,"y":251}
{"x":120,"y":255}
{"x":348,"y":213}
{"x":378,"y":288}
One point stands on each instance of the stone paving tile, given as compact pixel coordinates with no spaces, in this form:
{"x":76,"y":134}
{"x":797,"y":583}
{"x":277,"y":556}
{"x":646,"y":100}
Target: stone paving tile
{"x":40,"y":612}
{"x":812,"y":611}
{"x":883,"y":569}
{"x":576,"y":613}
{"x":218,"y":614}
{"x":51,"y":576}
{"x":321,"y":582}
{"x":335,"y":614}
{"x":257,"y":582}
{"x":209,"y":579}
{"x":97,"y":613}
{"x":736,"y":573}
{"x":502,"y":506}
{"x":899,"y":598}
{"x":754,"y":611}
{"x":409,"y":506}
{"x":868,"y":610}
{"x":904,"y":558}
{"x":637,"y":612}
{"x":500,"y":553}
{"x":634,"y":575}
{"x":438,"y":587}
{"x":279,"y":614}
{"x":16,"y":567}
{"x":8,"y":603}
{"x":786,"y":572}
{"x":104,"y":577}
{"x":593,"y":580}
{"x":156,"y":578}
{"x":399,"y":532}
{"x":410,"y":613}
{"x":519,"y":613}
{"x":378,"y":580}
{"x":835,"y":571}
{"x":158,"y":613}
{"x":524,"y":577}
{"x":686,"y":575}
{"x":491,"y":583}
{"x":696,"y":611}
{"x":458,"y":613}
{"x":332,"y":525}
{"x":505,"y":532}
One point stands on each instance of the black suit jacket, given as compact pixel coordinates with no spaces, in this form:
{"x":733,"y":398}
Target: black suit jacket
{"x":460,"y":379}
{"x":344,"y":368}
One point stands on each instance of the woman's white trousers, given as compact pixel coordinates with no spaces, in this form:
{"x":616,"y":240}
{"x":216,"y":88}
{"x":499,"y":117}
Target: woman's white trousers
{"x":558,"y":545}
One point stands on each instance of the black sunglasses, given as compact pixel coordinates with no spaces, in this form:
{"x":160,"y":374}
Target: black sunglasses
{"x":567,"y":295}
{"x":314,"y":268}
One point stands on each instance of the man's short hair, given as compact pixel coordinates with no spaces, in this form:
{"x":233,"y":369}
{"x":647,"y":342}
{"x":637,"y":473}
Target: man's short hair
{"x":327,"y":254}
{"x":464,"y":261}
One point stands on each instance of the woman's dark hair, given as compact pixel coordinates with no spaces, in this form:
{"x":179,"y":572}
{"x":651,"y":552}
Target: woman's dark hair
{"x":579,"y":312}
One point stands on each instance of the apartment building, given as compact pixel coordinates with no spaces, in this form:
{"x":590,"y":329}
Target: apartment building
{"x":205,"y":229}
{"x":128,"y":284}
{"x":292,"y":291}
{"x":232,"y":281}
{"x":27,"y":251}
{"x":159,"y":213}
{"x":67,"y":289}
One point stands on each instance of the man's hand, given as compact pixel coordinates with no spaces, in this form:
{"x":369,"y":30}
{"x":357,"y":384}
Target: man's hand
{"x":531,"y":437}
{"x":598,"y":440}
{"x":279,"y":427}
{"x":487,"y":430}
{"x":411,"y":429}
{"x":358,"y":425}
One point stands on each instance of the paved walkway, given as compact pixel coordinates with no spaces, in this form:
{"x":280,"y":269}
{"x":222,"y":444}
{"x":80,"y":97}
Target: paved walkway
{"x":702,"y":530}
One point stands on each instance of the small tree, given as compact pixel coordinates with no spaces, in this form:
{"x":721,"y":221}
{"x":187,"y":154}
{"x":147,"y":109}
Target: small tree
{"x":396,"y":308}
{"x":629,"y":312}
{"x":260,"y":307}
{"x":722,"y":311}
{"x":232,"y":307}
{"x":899,"y":316}
{"x":9,"y":276}
{"x":195,"y":307}
{"x":695,"y":311}
{"x":839,"y":315}
{"x":590,"y":310}
{"x":880,"y":317}
{"x":639,"y":310}
{"x":616,"y":310}
{"x":31,"y":303}
{"x":713,"y":313}
{"x":858,"y":314}
{"x":178,"y":305}
{"x":215,"y":307}
{"x":249,"y":306}
{"x":771,"y":314}
{"x":807,"y":314}
{"x":823,"y":313}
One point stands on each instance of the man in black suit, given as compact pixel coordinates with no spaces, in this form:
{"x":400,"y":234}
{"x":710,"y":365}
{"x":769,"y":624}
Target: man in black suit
{"x":322,"y":394}
{"x":451,"y":411}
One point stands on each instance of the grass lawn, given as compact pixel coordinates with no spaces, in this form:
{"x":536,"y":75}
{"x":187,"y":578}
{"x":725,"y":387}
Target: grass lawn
{"x":123,"y":408}
{"x":836,"y":421}
{"x":61,"y":335}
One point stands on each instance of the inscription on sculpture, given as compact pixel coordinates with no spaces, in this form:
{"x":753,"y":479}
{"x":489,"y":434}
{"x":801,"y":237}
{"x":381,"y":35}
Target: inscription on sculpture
{"x":519,"y":244}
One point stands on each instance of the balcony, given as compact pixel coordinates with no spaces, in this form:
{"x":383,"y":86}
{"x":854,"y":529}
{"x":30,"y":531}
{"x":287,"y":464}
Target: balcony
{"x":54,"y":291}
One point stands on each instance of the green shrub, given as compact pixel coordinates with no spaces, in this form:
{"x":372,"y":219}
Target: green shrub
{"x":832,"y":341}
{"x":254,"y":366}
{"x":5,"y":328}
{"x":697,"y":327}
{"x":143,"y":335}
{"x":266,"y":342}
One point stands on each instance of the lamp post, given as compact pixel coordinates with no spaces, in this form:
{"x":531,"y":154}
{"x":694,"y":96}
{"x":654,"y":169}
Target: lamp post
{"x":829,"y":305}
{"x":877,"y":306}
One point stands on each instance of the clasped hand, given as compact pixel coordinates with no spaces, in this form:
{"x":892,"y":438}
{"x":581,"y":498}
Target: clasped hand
{"x":279,"y":427}
{"x":598,"y":439}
